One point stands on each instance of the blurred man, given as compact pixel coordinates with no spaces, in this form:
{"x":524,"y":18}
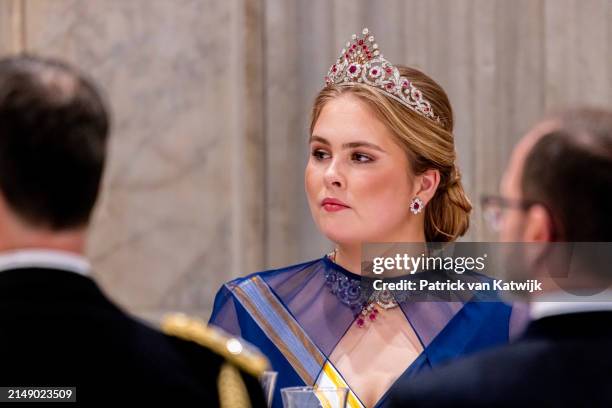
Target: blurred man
{"x":57,"y":328}
{"x":557,"y":188}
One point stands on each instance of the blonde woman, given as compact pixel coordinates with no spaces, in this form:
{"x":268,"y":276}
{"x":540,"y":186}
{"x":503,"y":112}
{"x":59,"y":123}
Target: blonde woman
{"x":381,"y":169}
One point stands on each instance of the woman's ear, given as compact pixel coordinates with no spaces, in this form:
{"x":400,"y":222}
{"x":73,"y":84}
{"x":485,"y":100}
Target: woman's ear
{"x":426,"y":184}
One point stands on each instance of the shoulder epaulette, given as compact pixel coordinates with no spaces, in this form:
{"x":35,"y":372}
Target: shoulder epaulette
{"x":235,"y":350}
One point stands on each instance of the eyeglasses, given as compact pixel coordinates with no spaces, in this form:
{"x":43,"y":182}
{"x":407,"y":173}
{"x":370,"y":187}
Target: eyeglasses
{"x":493,"y":208}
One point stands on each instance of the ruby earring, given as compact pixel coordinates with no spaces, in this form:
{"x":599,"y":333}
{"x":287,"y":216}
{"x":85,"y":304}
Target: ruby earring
{"x":416,"y":205}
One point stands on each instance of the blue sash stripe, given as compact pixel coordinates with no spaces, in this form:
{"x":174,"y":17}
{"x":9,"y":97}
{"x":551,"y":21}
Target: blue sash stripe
{"x":281,"y":327}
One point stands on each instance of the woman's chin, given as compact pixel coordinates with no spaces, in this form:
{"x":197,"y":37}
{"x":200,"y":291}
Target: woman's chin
{"x":343,"y":236}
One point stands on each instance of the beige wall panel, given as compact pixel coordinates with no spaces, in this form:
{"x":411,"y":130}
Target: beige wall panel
{"x":178,"y":214}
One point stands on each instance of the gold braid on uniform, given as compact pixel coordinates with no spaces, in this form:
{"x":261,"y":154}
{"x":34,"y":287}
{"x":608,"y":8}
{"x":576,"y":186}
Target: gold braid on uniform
{"x":237,"y":353}
{"x":232,"y":391}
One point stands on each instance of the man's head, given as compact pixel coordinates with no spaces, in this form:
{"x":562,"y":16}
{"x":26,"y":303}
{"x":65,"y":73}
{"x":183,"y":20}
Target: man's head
{"x":53,"y":132}
{"x":559,"y":180}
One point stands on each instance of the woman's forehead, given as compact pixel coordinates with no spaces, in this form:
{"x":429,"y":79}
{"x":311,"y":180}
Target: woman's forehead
{"x":347,"y":117}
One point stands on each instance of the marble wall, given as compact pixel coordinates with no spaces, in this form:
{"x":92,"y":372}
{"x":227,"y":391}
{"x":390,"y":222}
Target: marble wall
{"x":211,"y":101}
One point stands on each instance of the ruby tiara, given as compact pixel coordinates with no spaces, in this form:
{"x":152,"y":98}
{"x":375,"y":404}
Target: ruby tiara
{"x":361,"y":62}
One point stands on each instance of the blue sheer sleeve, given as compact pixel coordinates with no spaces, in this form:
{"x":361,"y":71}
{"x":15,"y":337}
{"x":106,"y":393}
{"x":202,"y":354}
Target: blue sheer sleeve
{"x":224,"y":314}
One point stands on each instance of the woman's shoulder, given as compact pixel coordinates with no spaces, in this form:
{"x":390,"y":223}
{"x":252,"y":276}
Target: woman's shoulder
{"x":269,"y":273}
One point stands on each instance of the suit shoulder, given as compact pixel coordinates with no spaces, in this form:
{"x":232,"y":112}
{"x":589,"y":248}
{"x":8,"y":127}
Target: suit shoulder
{"x":476,"y":380}
{"x":234,"y":350}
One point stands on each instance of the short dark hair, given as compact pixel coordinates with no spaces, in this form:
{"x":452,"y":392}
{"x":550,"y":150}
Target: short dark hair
{"x":569,"y":171}
{"x":53,"y":131}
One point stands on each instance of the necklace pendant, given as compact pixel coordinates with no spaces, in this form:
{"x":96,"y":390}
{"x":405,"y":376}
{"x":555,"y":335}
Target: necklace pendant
{"x":368,"y":313}
{"x":382,"y":299}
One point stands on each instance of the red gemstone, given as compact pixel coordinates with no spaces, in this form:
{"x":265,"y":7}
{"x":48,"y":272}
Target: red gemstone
{"x":354,"y":46}
{"x":352,"y":69}
{"x":365,"y":47}
{"x":416,"y":206}
{"x":405,"y":84}
{"x":376,"y":311}
{"x":372,"y":316}
{"x":346,"y":55}
{"x":360,"y":42}
{"x":375,"y":72}
{"x":426,"y":109}
{"x":389,"y":85}
{"x":334,"y":69}
{"x":360,"y":322}
{"x":389,"y":70}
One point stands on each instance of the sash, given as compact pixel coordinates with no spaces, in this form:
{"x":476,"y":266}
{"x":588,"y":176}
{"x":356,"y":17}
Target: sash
{"x":331,"y":377}
{"x":289,"y":337}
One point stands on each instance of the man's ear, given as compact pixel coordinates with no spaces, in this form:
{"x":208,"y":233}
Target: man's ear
{"x":427,"y":184}
{"x":538,"y":225}
{"x":4,"y":207}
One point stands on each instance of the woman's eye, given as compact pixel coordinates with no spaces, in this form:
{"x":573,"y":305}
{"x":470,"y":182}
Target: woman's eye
{"x":319,"y":154}
{"x":361,"y":158}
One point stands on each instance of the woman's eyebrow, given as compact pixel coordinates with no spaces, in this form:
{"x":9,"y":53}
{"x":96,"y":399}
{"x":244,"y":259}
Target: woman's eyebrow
{"x":315,"y":138}
{"x":351,"y":145}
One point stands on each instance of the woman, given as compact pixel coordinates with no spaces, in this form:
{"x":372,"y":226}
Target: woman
{"x":381,"y":169}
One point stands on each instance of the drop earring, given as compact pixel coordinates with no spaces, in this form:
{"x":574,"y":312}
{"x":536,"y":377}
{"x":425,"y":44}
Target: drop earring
{"x":416,"y":205}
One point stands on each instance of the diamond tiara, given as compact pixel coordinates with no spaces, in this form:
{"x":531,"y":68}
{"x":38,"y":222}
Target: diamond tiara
{"x":361,"y":62}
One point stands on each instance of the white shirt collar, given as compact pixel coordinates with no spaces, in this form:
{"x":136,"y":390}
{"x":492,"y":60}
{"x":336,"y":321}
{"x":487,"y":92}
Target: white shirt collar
{"x":44,"y":258}
{"x":552,"y":304}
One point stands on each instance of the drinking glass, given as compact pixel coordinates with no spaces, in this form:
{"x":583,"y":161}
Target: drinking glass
{"x":314,"y":397}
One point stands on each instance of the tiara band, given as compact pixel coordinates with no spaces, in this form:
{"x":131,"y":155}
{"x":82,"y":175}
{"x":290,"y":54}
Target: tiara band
{"x":361,"y":62}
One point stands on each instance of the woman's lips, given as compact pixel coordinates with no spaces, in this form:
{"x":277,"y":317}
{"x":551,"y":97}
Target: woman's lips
{"x":333,"y":205}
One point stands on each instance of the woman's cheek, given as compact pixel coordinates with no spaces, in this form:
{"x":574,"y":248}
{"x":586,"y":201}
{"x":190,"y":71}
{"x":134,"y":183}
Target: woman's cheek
{"x":385,"y":199}
{"x":311,"y":182}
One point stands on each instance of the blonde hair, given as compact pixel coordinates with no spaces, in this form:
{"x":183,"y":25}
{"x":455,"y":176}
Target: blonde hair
{"x":428,"y":145}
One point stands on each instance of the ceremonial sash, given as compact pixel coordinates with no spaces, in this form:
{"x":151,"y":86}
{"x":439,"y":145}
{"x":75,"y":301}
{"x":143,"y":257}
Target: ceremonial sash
{"x":289,"y":337}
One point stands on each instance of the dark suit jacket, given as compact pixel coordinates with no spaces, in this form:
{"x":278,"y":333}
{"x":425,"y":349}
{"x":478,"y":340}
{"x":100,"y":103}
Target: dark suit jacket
{"x":561,"y":361}
{"x":58,"y":328}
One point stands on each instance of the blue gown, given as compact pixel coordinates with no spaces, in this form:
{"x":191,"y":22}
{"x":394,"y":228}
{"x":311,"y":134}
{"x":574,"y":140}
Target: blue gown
{"x":296,"y":316}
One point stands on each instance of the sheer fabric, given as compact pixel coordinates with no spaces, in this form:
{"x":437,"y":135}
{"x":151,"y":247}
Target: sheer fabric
{"x":303,"y":318}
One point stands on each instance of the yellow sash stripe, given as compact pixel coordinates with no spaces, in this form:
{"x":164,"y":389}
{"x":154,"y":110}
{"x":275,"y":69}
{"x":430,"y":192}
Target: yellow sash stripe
{"x":330,"y":371}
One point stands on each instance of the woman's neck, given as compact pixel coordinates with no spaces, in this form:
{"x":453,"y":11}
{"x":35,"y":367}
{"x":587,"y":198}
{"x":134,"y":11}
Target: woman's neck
{"x":348,"y":256}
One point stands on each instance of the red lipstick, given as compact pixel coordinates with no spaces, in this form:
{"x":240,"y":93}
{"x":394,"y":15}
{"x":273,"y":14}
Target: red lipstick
{"x":333,"y":205}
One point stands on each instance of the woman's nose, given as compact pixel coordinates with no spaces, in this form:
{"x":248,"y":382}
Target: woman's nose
{"x":334,"y":176}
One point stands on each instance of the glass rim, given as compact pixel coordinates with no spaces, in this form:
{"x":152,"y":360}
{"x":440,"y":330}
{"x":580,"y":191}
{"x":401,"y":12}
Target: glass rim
{"x":313,"y":388}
